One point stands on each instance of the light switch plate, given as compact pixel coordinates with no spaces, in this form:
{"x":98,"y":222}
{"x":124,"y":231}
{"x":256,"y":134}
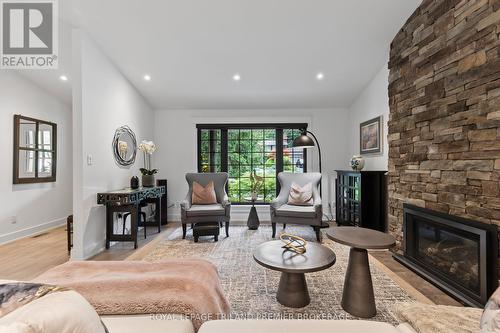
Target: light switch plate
{"x":89,"y":159}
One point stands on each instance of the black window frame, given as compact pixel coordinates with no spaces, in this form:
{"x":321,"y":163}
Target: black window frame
{"x":279,"y":127}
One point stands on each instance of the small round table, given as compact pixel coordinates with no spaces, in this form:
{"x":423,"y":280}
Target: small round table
{"x":253,"y":218}
{"x":358,"y":298}
{"x":292,"y":290}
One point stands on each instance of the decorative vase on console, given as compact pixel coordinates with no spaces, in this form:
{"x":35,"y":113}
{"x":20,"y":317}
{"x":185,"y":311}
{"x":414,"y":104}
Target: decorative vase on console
{"x":148,"y":174}
{"x":134,"y":183}
{"x":357,"y":163}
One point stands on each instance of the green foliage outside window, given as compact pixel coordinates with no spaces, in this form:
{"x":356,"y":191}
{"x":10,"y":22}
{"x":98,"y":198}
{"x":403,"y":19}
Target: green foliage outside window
{"x":250,"y":151}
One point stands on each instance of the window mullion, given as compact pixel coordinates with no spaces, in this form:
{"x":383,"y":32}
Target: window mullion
{"x":211,"y":150}
{"x":199,"y":151}
{"x":279,"y":157}
{"x":223,"y":151}
{"x":37,"y":127}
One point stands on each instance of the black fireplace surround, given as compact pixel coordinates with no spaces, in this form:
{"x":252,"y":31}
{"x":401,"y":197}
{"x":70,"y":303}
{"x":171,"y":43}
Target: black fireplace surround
{"x":456,"y":254}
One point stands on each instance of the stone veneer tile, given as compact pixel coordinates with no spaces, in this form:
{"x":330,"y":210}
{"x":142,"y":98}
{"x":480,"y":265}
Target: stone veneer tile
{"x":444,"y":122}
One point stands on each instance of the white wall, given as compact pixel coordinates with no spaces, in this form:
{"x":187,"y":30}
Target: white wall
{"x":33,"y":207}
{"x":103,"y":101}
{"x":371,"y":103}
{"x":175,"y":136}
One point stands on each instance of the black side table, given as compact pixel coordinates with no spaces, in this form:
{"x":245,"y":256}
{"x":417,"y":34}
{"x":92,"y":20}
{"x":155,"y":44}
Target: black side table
{"x":253,"y":221}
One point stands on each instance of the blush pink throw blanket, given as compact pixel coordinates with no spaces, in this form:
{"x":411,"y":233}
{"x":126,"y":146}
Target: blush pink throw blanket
{"x":189,"y":287}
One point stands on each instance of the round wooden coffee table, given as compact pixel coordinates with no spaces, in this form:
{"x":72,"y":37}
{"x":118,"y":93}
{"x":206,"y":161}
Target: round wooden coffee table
{"x":292,"y":290}
{"x":358,"y":298}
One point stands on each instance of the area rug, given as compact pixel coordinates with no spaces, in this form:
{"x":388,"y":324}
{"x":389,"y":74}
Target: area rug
{"x":251,"y":289}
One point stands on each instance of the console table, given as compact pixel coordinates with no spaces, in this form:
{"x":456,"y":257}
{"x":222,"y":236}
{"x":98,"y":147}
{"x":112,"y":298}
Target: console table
{"x":128,"y":200}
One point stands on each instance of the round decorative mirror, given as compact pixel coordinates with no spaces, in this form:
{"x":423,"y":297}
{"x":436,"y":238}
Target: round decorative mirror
{"x":124,"y":146}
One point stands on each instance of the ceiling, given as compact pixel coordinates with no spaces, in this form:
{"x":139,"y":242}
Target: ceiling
{"x":192,"y":48}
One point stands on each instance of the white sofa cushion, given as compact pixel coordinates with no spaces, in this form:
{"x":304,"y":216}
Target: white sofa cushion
{"x":296,"y":326}
{"x":60,"y":312}
{"x":157,"y":323}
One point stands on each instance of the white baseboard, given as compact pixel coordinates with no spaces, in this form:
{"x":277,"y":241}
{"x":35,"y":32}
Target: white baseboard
{"x":31,"y":231}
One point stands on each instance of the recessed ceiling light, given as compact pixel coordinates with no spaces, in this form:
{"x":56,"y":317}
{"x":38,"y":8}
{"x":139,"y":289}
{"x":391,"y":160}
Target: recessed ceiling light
{"x":63,"y":78}
{"x":147,"y":77}
{"x":236,"y":77}
{"x":320,"y":76}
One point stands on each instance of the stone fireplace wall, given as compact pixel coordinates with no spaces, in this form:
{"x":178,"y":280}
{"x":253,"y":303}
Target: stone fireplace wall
{"x":444,"y":124}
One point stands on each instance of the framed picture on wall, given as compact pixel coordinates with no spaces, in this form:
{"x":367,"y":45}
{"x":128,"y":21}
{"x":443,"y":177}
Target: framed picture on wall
{"x":370,"y":136}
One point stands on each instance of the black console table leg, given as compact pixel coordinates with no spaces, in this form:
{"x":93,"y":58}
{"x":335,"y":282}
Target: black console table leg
{"x":158,"y":213}
{"x":136,"y":215}
{"x":109,"y":225}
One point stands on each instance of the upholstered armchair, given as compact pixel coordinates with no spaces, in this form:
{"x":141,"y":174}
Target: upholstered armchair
{"x":282,"y":212}
{"x":219,"y":212}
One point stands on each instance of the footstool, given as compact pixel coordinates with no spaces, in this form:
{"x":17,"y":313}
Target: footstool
{"x":206,"y":229}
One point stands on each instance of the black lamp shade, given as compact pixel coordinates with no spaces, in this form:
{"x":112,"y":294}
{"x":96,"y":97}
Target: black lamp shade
{"x":303,"y":141}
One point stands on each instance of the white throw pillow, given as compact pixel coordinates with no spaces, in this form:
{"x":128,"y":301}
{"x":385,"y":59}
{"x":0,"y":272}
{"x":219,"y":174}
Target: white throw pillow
{"x":60,"y":312}
{"x":301,"y":195}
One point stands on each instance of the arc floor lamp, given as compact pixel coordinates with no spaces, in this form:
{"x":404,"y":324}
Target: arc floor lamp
{"x":305,"y":141}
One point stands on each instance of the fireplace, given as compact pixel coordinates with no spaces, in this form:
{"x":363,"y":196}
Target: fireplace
{"x":456,"y":254}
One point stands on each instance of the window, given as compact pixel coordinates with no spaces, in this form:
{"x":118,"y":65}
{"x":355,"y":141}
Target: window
{"x":34,"y":150}
{"x":247,"y":151}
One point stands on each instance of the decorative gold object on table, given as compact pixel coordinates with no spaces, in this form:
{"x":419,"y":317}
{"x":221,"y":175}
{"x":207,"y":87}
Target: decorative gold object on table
{"x":293,"y":243}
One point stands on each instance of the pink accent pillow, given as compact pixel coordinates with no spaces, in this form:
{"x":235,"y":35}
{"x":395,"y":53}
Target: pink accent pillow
{"x":301,"y":196}
{"x":203,"y":195}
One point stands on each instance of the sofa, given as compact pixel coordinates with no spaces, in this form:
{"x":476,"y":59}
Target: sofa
{"x":145,"y":323}
{"x":55,"y":312}
{"x":301,"y":326}
{"x":148,"y":323}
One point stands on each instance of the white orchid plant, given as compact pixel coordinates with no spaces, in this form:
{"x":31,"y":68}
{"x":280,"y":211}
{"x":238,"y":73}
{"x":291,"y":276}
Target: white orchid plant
{"x":147,"y":148}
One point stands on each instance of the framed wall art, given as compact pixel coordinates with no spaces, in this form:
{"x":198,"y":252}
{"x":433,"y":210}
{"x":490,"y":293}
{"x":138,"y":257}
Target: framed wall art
{"x":370,"y":136}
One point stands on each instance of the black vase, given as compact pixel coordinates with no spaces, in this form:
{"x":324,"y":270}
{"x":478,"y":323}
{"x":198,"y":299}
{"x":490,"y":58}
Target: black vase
{"x":134,"y":182}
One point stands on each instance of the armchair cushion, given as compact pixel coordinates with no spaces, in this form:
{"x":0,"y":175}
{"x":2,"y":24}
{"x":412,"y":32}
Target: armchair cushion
{"x":203,"y":195}
{"x":206,"y":210}
{"x":296,"y":211}
{"x":301,"y":195}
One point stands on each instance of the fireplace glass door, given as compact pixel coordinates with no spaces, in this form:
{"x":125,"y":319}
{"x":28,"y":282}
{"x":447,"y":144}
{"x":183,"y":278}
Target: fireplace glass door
{"x":451,"y":254}
{"x":456,"y":254}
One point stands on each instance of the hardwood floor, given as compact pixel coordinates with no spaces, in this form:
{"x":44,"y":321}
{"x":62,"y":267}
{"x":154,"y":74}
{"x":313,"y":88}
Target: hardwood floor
{"x":26,"y":258}
{"x":125,"y":250}
{"x":423,"y":286}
